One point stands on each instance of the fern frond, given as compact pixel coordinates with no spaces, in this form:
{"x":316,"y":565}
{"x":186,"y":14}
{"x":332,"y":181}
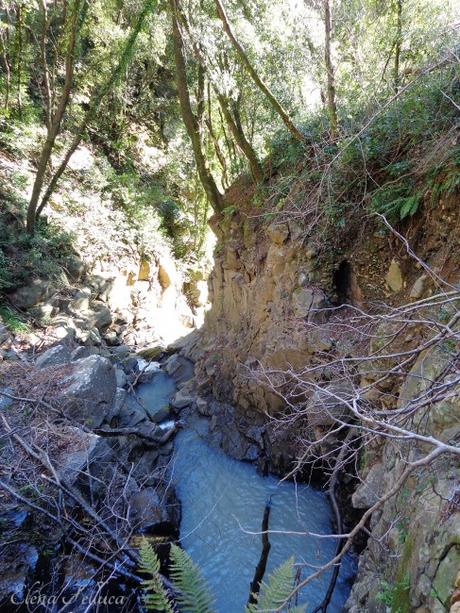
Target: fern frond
{"x":193,"y":593}
{"x":276,"y":590}
{"x":156,"y":597}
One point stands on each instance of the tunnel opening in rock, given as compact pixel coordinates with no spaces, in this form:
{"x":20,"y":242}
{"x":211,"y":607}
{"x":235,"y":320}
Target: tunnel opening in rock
{"x":343,"y":282}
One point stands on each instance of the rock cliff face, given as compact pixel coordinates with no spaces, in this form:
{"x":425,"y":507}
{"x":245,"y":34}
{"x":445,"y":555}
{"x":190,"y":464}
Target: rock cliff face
{"x":268,"y":281}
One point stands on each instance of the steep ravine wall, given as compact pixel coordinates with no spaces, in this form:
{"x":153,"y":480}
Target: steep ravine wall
{"x":268,"y":279}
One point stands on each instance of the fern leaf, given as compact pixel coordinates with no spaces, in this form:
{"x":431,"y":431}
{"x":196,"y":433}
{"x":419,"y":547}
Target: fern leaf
{"x":193,"y":593}
{"x":276,"y":590}
{"x":156,"y":597}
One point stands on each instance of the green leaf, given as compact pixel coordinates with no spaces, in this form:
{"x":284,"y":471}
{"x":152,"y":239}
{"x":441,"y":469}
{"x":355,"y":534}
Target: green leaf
{"x":276,"y":591}
{"x":193,"y":593}
{"x":156,"y":597}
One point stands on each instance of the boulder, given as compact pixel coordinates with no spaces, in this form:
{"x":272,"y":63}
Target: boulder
{"x":112,"y":339}
{"x":80,"y":301}
{"x":59,"y":354}
{"x":394,"y":278}
{"x":30,"y":295}
{"x":166,"y":272}
{"x":150,"y":353}
{"x":306,"y":300}
{"x":83,"y":352}
{"x":121,"y":377}
{"x":98,"y":315}
{"x":182,"y":399}
{"x":146,"y":509}
{"x":371,"y":489}
{"x":160,"y":414}
{"x":63,"y":327}
{"x":419,"y":286}
{"x":75,"y":455}
{"x":179,"y":368}
{"x":89,"y":390}
{"x":75,"y":267}
{"x":17,"y":563}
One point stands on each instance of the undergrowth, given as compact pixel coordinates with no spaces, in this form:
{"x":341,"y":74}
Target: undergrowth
{"x":22,"y":257}
{"x":12,"y":321}
{"x":407,"y":151}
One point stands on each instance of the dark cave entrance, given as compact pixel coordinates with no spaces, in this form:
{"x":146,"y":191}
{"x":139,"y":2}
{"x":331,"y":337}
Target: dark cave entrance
{"x":343,"y":282}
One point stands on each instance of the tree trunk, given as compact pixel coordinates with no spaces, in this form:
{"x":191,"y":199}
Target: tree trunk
{"x":240,"y":138}
{"x":6,"y":63}
{"x":55,"y":121}
{"x":95,"y":103}
{"x":398,"y":45}
{"x":331,"y":103}
{"x":257,"y":80}
{"x":190,"y":120}
{"x":19,"y":25}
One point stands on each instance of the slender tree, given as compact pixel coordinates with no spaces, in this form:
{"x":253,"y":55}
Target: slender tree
{"x":53,"y":120}
{"x":188,"y":116}
{"x":234,"y":123}
{"x":398,"y":45}
{"x":330,"y":73}
{"x":275,"y":104}
{"x":35,"y":211}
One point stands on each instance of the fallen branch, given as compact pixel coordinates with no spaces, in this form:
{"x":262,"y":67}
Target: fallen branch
{"x":262,"y":564}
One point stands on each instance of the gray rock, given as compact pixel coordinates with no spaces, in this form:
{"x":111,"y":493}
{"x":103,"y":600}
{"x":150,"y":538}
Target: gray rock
{"x":126,"y":410}
{"x":328,"y":404}
{"x":146,"y":510}
{"x":83,"y":352}
{"x":307,"y":300}
{"x":89,"y":390}
{"x":112,"y":339}
{"x":369,"y":492}
{"x":181,"y":369}
{"x":121,"y":377}
{"x":59,"y":354}
{"x":80,"y":301}
{"x":160,"y":414}
{"x":4,"y":334}
{"x":181,"y":399}
{"x":63,"y":327}
{"x":74,"y":267}
{"x":17,"y":563}
{"x":99,"y":315}
{"x":255,"y":433}
{"x":30,"y":295}
{"x":75,"y":457}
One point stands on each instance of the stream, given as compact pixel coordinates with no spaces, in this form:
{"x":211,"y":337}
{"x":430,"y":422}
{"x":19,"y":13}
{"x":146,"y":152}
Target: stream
{"x":223,"y":498}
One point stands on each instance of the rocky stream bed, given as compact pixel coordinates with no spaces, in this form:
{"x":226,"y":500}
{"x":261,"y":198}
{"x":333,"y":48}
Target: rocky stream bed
{"x":134,"y":442}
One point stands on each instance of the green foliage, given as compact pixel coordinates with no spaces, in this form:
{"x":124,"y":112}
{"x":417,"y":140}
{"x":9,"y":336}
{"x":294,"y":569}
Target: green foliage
{"x":12,"y":321}
{"x":396,"y":201}
{"x":22,"y":257}
{"x":156,"y":597}
{"x":276,"y":590}
{"x":394,"y":595}
{"x":193,"y":593}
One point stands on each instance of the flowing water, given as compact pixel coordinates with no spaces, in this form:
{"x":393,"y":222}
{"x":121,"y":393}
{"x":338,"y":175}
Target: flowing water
{"x":222,"y":499}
